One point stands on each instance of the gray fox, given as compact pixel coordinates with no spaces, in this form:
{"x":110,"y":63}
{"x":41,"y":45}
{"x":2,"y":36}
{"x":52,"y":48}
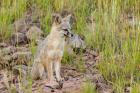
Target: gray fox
{"x":48,"y":57}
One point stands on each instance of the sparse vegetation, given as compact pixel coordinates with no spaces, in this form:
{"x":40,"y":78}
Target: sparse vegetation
{"x":114,"y":30}
{"x":88,"y":88}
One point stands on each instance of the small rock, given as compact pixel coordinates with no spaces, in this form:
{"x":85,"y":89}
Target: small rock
{"x":98,"y":78}
{"x":128,"y":90}
{"x":21,"y":69}
{"x":32,"y":20}
{"x":2,"y":45}
{"x":19,"y":38}
{"x":104,"y":88}
{"x":106,"y":91}
{"x":34,"y":34}
{"x":76,"y":42}
{"x":22,"y":57}
{"x":20,"y":26}
{"x":22,"y":49}
{"x":8,"y":50}
{"x":7,"y":58}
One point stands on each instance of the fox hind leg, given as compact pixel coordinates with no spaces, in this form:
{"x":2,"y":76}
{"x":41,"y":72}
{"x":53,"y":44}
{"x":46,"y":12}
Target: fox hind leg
{"x":38,"y":71}
{"x":42,"y":72}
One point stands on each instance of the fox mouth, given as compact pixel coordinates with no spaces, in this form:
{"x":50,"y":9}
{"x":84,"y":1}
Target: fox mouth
{"x":67,"y":33}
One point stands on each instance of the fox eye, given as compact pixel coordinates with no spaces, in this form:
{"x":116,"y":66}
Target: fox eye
{"x":65,"y":29}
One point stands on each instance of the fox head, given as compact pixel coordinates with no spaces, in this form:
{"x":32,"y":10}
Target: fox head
{"x":62,"y":25}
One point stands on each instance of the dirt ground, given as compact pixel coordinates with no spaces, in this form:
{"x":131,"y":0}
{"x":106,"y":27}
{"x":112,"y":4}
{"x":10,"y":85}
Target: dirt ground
{"x":73,"y":79}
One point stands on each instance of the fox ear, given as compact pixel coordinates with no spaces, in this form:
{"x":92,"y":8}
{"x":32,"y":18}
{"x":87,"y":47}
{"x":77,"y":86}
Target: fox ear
{"x":57,"y":18}
{"x":69,"y":17}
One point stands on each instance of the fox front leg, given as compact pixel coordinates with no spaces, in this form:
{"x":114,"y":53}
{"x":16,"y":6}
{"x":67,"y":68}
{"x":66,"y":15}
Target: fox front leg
{"x":57,"y":66}
{"x":51,"y":79}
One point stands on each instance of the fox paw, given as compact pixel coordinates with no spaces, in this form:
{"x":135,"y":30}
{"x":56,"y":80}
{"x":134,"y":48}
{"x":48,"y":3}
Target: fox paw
{"x":52,"y":84}
{"x":60,"y":83}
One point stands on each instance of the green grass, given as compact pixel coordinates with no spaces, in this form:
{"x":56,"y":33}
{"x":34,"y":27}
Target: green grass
{"x":10,"y":10}
{"x":117,"y":42}
{"x":88,"y":88}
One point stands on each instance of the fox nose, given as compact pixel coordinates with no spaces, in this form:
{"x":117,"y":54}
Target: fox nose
{"x":71,"y":35}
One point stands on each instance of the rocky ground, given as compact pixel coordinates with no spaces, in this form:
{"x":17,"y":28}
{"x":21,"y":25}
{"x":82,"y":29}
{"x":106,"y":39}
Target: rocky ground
{"x":73,"y":79}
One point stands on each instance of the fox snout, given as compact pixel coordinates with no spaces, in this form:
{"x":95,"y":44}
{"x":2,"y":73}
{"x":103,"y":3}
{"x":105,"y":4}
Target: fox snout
{"x":68,"y":33}
{"x":71,"y":34}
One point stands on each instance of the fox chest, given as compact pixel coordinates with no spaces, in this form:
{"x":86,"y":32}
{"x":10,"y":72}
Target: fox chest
{"x":55,"y":49}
